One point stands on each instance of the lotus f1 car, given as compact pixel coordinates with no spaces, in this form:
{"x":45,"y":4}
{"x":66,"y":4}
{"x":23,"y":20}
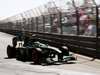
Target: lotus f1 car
{"x":38,"y":52}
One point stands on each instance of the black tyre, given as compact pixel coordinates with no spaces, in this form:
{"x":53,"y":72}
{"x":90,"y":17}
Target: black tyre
{"x":11,"y":52}
{"x":36,"y":56}
{"x":24,"y":54}
{"x":20,"y":54}
{"x":28,"y":54}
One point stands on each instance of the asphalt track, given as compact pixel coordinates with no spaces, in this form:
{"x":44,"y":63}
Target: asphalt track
{"x":83,"y":65}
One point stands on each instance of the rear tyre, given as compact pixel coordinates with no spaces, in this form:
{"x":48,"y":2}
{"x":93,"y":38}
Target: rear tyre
{"x":11,"y":52}
{"x":20,"y":54}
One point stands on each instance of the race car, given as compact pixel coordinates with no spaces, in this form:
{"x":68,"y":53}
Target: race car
{"x":39,"y":53}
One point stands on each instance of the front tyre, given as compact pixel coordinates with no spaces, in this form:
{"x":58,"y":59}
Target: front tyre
{"x":36,"y":56}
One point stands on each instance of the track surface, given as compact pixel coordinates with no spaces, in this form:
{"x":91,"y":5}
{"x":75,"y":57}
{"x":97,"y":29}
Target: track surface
{"x":83,"y":65}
